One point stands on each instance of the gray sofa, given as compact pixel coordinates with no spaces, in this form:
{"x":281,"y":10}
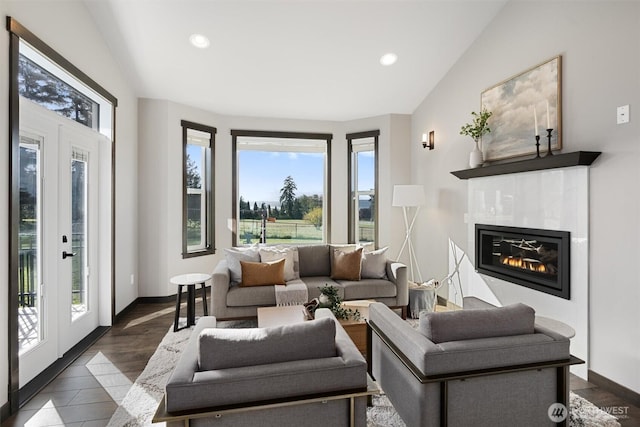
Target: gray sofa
{"x":482,"y":367}
{"x":235,"y":369}
{"x":230,"y":301}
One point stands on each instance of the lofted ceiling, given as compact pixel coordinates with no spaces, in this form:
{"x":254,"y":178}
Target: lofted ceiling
{"x":290,"y":58}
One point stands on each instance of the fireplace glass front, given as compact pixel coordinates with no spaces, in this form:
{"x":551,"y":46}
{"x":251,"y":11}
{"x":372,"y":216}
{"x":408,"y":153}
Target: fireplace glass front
{"x":535,"y":258}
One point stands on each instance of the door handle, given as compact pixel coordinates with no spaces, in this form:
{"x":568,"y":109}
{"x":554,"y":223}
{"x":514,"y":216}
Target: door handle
{"x":66,"y":254}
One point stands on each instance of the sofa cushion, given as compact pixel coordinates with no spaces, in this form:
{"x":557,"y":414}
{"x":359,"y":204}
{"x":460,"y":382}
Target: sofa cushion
{"x":262,"y":273}
{"x":374,"y":264}
{"x":235,"y":255}
{"x":346,"y":265}
{"x":290,"y":255}
{"x":239,"y":296}
{"x":314,"y":283}
{"x":515,"y":319}
{"x":234,"y":348}
{"x":314,"y":260}
{"x":368,"y":289}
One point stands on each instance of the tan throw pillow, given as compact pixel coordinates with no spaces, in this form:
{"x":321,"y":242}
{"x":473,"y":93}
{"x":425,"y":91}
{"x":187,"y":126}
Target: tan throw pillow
{"x":262,"y":273}
{"x":346,"y":265}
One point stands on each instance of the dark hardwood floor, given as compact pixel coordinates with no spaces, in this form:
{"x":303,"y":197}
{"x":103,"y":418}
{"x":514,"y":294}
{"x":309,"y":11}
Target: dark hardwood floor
{"x":87,"y":393}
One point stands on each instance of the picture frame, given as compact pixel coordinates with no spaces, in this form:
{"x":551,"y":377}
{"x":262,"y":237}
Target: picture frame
{"x":512,"y":103}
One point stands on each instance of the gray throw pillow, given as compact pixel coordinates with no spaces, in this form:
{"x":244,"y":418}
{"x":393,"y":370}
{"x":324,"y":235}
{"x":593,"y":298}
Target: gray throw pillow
{"x":515,"y":319}
{"x":314,"y":260}
{"x":234,"y":348}
{"x":374,"y":264}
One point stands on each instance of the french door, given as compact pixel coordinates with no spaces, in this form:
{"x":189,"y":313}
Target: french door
{"x":58,"y":251}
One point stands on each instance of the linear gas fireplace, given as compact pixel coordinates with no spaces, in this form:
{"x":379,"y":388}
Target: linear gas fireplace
{"x":538,"y":259}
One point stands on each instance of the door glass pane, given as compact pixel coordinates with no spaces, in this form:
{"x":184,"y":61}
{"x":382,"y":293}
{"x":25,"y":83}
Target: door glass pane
{"x":29,"y":296}
{"x":79,"y":297}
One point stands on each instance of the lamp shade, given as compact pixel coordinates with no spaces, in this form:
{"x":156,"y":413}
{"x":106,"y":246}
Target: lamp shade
{"x":408,"y":195}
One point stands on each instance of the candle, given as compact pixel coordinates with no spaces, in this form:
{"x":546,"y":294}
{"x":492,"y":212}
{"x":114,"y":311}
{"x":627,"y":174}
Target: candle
{"x":535,"y":121}
{"x":548,"y":121}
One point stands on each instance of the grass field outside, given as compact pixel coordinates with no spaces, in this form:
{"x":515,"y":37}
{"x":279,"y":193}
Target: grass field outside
{"x":290,"y":231}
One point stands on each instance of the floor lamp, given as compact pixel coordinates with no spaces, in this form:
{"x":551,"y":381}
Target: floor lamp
{"x":406,"y":197}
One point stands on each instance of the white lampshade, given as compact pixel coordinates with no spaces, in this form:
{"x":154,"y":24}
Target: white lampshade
{"x":408,"y":195}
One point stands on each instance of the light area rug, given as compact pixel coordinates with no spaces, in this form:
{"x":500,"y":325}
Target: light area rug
{"x":141,"y":401}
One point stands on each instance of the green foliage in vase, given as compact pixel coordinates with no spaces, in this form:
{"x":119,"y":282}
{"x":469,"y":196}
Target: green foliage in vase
{"x":479,"y":126}
{"x":331,"y":292}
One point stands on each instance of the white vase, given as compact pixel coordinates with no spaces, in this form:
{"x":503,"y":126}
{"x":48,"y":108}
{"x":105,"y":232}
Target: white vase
{"x":475,"y":157}
{"x":324,"y":300}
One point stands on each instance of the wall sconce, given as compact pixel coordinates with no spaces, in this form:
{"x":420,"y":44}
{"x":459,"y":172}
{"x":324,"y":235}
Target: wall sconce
{"x":430,"y":142}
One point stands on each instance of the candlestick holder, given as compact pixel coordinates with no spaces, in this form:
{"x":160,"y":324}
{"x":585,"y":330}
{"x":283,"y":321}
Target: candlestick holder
{"x":549,"y":153}
{"x":537,"y":146}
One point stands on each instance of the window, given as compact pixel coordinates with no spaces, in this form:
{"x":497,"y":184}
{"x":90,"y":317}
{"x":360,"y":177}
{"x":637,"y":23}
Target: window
{"x":44,"y":82}
{"x":363,"y":187}
{"x":281,"y":187}
{"x":197,"y":200}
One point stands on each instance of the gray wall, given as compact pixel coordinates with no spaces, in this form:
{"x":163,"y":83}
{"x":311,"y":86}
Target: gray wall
{"x":600,"y":47}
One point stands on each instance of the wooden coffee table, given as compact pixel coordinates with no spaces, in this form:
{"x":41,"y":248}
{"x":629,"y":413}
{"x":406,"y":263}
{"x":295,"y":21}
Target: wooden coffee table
{"x":357,"y":329}
{"x":287,"y":315}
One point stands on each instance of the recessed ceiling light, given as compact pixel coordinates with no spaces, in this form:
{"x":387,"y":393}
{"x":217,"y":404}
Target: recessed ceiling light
{"x":198,"y":40}
{"x":388,"y":59}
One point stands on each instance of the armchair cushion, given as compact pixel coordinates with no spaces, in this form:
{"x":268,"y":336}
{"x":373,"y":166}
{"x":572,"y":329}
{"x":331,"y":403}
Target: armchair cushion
{"x":235,"y":348}
{"x":515,"y":319}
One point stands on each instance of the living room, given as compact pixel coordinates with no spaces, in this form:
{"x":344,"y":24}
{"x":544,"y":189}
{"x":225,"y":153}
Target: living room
{"x":598,"y":42}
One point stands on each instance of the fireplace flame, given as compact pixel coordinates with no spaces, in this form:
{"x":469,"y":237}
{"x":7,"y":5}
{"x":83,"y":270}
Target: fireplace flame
{"x":524,"y":263}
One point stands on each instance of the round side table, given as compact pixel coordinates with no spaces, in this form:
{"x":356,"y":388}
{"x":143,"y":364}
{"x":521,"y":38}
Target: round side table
{"x":556,"y":326}
{"x":190,"y":281}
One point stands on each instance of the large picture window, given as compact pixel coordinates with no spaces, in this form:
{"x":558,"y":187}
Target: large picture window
{"x":281,"y":187}
{"x":197,"y":213}
{"x":363,"y":187}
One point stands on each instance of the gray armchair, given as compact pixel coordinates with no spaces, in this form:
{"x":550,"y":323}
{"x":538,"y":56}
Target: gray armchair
{"x":306,"y":373}
{"x":482,"y":367}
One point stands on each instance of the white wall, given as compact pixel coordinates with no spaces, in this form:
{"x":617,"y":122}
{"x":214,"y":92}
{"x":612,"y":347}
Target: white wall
{"x":160,"y":180}
{"x":556,"y":199}
{"x":600,"y":47}
{"x":67,"y":27}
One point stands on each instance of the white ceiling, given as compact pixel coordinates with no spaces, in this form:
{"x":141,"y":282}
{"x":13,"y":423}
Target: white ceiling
{"x":291,"y":59}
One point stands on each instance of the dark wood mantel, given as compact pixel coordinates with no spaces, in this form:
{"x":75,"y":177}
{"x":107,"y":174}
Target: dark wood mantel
{"x":563,"y":160}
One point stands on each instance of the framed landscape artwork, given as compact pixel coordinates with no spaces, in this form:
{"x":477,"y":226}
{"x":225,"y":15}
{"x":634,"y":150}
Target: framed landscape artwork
{"x":513,"y":102}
